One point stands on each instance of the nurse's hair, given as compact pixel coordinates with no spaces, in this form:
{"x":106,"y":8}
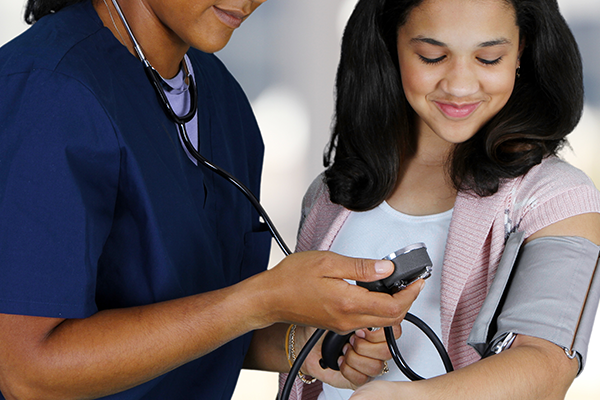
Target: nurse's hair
{"x":374,"y":134}
{"x":36,"y":9}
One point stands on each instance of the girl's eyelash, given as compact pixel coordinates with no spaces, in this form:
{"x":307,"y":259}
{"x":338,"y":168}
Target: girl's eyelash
{"x":431,"y":61}
{"x":490,"y":62}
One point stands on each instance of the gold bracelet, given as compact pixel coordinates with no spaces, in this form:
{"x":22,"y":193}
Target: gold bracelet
{"x":287,"y":345}
{"x":290,"y":350}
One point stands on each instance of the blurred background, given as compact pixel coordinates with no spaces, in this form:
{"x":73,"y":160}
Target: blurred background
{"x":285,"y":57}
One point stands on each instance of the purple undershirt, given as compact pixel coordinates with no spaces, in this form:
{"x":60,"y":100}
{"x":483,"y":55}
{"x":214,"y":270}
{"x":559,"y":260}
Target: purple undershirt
{"x":179,"y":96}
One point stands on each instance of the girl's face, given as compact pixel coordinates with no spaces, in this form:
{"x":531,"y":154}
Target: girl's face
{"x":458,"y":61}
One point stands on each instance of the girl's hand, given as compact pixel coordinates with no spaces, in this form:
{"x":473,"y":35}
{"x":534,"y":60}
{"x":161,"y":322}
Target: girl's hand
{"x":363,"y":359}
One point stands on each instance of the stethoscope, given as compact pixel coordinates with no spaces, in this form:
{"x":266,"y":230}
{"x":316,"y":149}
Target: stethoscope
{"x":180,"y":121}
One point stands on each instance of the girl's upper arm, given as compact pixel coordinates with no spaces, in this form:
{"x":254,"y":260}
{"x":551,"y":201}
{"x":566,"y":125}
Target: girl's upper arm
{"x":582,"y":225}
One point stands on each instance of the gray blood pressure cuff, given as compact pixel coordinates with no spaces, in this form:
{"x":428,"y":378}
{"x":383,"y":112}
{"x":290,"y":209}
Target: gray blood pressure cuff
{"x":547,"y":288}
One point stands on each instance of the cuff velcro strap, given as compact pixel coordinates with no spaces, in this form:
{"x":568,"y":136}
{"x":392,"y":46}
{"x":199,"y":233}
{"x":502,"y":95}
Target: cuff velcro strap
{"x":547,"y":289}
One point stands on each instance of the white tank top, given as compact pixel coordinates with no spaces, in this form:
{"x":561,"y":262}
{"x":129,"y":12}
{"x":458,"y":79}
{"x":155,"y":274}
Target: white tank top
{"x":377,"y":233}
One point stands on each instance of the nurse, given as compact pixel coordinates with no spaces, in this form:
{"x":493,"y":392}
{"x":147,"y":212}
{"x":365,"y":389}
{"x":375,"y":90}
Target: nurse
{"x":128,"y":271}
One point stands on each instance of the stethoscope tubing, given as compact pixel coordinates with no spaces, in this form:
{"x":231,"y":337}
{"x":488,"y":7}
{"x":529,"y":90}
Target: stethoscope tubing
{"x":247,"y":192}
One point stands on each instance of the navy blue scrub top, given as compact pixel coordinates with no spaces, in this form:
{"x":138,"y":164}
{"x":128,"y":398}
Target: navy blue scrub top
{"x":100,"y":207}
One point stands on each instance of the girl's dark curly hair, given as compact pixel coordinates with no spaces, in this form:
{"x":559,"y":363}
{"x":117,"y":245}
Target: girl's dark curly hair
{"x":374,"y":133}
{"x":36,"y":9}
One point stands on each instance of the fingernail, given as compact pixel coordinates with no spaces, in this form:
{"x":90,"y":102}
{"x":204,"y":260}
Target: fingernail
{"x":346,"y":347}
{"x":340,"y":361}
{"x":383,"y":266}
{"x":422,"y":286}
{"x":352,"y":340}
{"x":360,"y":333}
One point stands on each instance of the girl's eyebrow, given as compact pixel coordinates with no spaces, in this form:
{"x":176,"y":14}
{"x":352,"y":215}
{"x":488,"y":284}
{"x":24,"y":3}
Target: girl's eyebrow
{"x":421,"y":39}
{"x":434,"y":42}
{"x":496,"y":42}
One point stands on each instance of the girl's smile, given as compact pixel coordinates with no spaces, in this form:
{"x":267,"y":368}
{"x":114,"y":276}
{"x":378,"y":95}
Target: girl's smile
{"x":457,"y":111}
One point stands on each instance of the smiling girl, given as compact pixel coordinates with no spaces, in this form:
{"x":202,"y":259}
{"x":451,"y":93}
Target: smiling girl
{"x":449,"y":116}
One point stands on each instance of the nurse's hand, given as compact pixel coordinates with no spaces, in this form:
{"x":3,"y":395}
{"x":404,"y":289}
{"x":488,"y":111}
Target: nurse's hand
{"x":309,"y":288}
{"x":365,"y":357}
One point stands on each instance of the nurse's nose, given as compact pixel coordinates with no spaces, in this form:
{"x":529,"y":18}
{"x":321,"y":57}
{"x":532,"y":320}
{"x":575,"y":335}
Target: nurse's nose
{"x":460,"y":80}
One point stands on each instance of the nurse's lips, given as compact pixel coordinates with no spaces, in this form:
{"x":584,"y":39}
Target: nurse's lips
{"x":457,"y":111}
{"x":231,"y":18}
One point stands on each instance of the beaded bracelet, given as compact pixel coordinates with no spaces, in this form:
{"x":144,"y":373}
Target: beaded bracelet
{"x":290,"y":351}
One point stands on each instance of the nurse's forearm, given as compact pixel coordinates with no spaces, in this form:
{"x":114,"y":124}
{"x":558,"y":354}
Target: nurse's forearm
{"x":114,"y":350}
{"x":267,"y":349}
{"x":117,"y":349}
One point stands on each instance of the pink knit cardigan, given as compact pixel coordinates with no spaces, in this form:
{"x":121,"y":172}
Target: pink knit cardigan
{"x":548,"y":193}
